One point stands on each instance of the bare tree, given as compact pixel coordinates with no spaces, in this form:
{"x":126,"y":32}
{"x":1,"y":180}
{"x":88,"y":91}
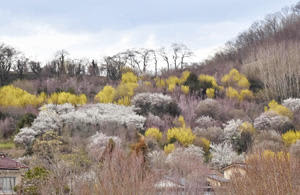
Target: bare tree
{"x":21,"y":66}
{"x":163,"y":53}
{"x":6,"y":60}
{"x":60,"y":57}
{"x":35,"y":67}
{"x":93,"y":68}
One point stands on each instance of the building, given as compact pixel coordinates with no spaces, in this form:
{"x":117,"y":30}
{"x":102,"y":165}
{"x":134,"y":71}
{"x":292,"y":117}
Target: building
{"x":11,"y":173}
{"x":235,"y":169}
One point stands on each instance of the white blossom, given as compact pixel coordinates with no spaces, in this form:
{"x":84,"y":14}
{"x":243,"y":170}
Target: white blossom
{"x":25,"y":136}
{"x":231,"y":129}
{"x":292,"y":103}
{"x":205,"y":121}
{"x":99,"y":141}
{"x":223,"y":155}
{"x":155,"y":103}
{"x":270,"y":120}
{"x":55,"y":117}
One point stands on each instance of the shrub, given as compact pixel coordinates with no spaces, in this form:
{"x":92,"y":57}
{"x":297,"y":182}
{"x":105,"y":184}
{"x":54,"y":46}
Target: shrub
{"x":26,"y":120}
{"x":234,"y":78}
{"x":247,"y":127}
{"x":193,"y":83}
{"x":183,"y":135}
{"x":104,"y":117}
{"x":268,"y":140}
{"x":169,"y":148}
{"x":205,"y":144}
{"x":206,"y":121}
{"x":184,"y":76}
{"x":189,"y":153}
{"x":290,"y":137}
{"x":292,"y":103}
{"x":246,"y":94}
{"x":279,"y":109}
{"x":129,"y":77}
{"x":208,"y":107}
{"x":223,"y":155}
{"x":106,"y":95}
{"x":232,"y":93}
{"x":157,"y":158}
{"x":232,"y":129}
{"x":155,"y":103}
{"x":185,"y":89}
{"x":154,"y":133}
{"x":210,"y":92}
{"x":65,"y":97}
{"x":13,"y":96}
{"x":207,"y":81}
{"x":160,"y":83}
{"x":271,"y":120}
{"x":214,"y":134}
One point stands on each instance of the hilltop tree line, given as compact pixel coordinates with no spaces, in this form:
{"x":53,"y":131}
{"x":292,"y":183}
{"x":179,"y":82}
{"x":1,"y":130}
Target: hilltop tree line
{"x":139,"y":60}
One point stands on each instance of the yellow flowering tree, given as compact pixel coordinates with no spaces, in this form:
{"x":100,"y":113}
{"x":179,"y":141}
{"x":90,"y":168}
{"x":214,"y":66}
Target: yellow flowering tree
{"x":279,"y":109}
{"x":153,"y":133}
{"x":290,"y":137}
{"x":169,"y":148}
{"x":183,"y":135}
{"x":65,"y":97}
{"x":106,"y":95}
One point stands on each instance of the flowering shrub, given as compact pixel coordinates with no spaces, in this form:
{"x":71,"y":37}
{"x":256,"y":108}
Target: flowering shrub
{"x":271,"y":120}
{"x":154,"y":133}
{"x":207,"y":81}
{"x":65,"y":97}
{"x":246,"y":94}
{"x":106,"y":95}
{"x":290,"y":137}
{"x":231,"y":129}
{"x":205,"y":144}
{"x":292,"y":103}
{"x":232,"y":93}
{"x":235,"y":78}
{"x":169,"y":148}
{"x":247,"y":127}
{"x":223,"y":155}
{"x":103,"y":116}
{"x":155,"y":103}
{"x":213,"y":134}
{"x":183,"y":135}
{"x":206,"y":121}
{"x":184,"y":76}
{"x":185,"y":89}
{"x":279,"y":109}
{"x":129,"y":77}
{"x":99,"y":141}
{"x":210,"y":92}
{"x":13,"y":96}
{"x":208,"y":107}
{"x":160,"y":83}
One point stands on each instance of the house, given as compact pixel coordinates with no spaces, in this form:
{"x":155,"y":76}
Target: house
{"x":11,"y":173}
{"x":234,"y":170}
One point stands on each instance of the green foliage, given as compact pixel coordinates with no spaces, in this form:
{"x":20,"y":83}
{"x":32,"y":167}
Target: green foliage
{"x":26,"y":120}
{"x":33,"y":181}
{"x":193,"y":83}
{"x":6,"y":145}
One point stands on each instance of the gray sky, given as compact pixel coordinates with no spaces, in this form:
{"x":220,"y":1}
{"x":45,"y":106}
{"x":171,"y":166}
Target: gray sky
{"x":95,"y":28}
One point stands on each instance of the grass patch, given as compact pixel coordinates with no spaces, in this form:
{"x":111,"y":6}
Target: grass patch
{"x":6,"y":145}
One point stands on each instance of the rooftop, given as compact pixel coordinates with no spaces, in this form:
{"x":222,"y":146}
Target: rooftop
{"x":10,"y":164}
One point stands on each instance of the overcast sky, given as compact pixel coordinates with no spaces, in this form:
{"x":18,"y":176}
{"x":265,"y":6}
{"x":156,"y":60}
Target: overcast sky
{"x":95,"y":28}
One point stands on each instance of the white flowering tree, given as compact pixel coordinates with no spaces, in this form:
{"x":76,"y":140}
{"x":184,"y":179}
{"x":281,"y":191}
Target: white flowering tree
{"x":292,"y":103}
{"x":155,"y":103}
{"x":223,"y":155}
{"x":55,"y":117}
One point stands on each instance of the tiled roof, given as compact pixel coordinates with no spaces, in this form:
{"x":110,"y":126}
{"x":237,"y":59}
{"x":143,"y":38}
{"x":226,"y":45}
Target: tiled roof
{"x":9,"y":164}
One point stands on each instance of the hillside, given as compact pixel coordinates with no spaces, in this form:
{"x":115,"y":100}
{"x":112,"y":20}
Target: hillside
{"x":115,"y":127}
